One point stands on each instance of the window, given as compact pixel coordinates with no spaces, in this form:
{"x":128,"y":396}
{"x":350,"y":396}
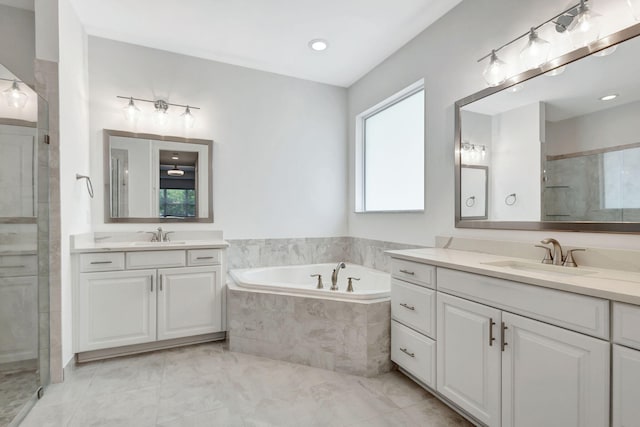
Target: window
{"x":390,"y":153}
{"x":177,"y":202}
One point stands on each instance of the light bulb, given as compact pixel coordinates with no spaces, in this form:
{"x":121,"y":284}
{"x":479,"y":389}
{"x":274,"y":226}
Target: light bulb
{"x":496,"y":72}
{"x":188,"y":118}
{"x":585,"y":28}
{"x":536,"y":52}
{"x":635,"y":8}
{"x":131,"y":112}
{"x":161,"y":116}
{"x":483,"y":152}
{"x":14,"y":96}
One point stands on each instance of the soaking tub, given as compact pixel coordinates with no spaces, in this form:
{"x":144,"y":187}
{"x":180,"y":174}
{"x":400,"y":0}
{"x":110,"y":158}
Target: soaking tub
{"x":297,"y":280}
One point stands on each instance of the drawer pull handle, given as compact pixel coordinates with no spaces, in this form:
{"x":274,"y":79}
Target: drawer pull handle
{"x":491,"y":337}
{"x":405,"y":351}
{"x":101,"y":262}
{"x":12,"y":266}
{"x":407,"y":306}
{"x":502,"y":339}
{"x":410,"y":273}
{"x":205,"y":257}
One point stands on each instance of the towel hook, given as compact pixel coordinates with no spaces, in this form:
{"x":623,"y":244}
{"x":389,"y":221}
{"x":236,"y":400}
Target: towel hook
{"x":88,"y":182}
{"x":511,"y":199}
{"x":470,"y":201}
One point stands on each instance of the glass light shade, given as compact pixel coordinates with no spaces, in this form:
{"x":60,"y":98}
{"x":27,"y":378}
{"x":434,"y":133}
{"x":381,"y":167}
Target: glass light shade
{"x":188,"y":118}
{"x":536,"y":52}
{"x":496,"y":72}
{"x":14,"y":96}
{"x":161,"y":117}
{"x":175,"y":171}
{"x":635,"y":8}
{"x":585,"y":28}
{"x":131,"y":112}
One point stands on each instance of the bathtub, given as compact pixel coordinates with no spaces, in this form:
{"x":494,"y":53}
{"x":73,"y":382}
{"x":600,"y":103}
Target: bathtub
{"x":297,"y":280}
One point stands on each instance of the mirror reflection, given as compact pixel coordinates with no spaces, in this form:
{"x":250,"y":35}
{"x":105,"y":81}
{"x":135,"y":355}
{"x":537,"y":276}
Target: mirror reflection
{"x":559,"y":147}
{"x":155,"y":178}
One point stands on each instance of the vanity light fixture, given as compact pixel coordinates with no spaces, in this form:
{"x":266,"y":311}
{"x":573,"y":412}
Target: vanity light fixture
{"x":175,"y":171}
{"x":161,"y":111}
{"x":609,"y":97}
{"x":318,"y":45}
{"x":471,"y":152}
{"x":580,"y":21}
{"x":14,"y":96}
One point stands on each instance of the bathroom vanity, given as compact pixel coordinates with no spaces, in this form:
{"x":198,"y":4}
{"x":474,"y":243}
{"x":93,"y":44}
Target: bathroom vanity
{"x":511,"y":342}
{"x":132,"y":296}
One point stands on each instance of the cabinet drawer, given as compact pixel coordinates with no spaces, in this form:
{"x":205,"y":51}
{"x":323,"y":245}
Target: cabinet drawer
{"x":101,"y":262}
{"x":18,"y":265}
{"x":155,"y":259}
{"x":414,"y":272}
{"x":580,"y":313}
{"x":626,"y":325}
{"x":414,"y":306}
{"x":414,"y":353}
{"x":203,"y":256}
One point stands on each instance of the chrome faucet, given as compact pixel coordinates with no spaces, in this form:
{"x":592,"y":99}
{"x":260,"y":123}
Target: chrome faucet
{"x":556,"y":255}
{"x":334,"y":276}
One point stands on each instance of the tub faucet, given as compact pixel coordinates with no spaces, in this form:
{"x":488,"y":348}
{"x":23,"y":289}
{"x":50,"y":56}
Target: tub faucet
{"x":556,"y":256}
{"x":334,"y":276}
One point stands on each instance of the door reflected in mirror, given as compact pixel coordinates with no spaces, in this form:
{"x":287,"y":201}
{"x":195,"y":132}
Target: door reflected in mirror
{"x":152,"y":178}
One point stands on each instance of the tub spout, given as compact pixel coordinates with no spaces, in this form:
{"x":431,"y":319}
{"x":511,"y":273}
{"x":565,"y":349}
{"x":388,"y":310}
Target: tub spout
{"x":334,"y":276}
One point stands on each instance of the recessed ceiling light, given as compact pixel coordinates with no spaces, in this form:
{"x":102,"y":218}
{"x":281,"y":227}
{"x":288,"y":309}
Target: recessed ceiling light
{"x":318,"y":45}
{"x":516,"y":88}
{"x":609,"y":97}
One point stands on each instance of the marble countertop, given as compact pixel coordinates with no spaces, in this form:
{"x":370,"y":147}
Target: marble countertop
{"x":615,"y":285}
{"x":85,"y":247}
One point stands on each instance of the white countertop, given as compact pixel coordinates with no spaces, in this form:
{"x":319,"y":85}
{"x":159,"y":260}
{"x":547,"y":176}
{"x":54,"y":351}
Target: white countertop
{"x":615,"y":285}
{"x":85,"y":247}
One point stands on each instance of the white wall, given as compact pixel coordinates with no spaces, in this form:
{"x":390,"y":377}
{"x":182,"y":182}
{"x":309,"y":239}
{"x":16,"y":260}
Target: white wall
{"x":445,"y":55}
{"x":17,"y":42}
{"x":515,"y":164}
{"x":280,"y":158}
{"x":75,"y":204}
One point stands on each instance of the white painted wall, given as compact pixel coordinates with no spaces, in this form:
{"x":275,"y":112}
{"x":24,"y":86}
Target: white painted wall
{"x":515,"y":164}
{"x":280,"y":158}
{"x":17,"y":42}
{"x":75,"y":206}
{"x":445,"y":55}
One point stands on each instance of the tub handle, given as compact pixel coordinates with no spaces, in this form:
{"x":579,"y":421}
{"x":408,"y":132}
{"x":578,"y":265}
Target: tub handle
{"x":319,"y":276}
{"x":350,"y":285}
{"x":407,"y":306}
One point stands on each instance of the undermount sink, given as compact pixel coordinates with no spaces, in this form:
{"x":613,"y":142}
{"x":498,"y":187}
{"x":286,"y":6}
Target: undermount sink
{"x":541,"y":268}
{"x":170,"y":243}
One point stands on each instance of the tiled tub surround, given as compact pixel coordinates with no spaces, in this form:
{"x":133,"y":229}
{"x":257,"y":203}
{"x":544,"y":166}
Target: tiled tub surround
{"x":251,"y":253}
{"x":350,"y":337}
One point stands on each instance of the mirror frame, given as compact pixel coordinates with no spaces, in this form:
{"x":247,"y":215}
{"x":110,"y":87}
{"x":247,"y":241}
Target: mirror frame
{"x":588,"y":226}
{"x":107,"y":133}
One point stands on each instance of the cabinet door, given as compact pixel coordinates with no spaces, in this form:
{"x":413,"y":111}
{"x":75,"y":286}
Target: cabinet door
{"x":468,"y":362}
{"x":116,"y":309}
{"x":18,"y":319}
{"x":626,"y":387}
{"x":189,"y":302}
{"x":552,"y":376}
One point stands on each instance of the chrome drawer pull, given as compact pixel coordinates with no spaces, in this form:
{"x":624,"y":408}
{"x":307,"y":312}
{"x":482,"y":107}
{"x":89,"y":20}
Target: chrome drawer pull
{"x":12,"y":266}
{"x":205,"y":257}
{"x":404,"y":350}
{"x":407,"y":306}
{"x":101,"y":262}
{"x":410,"y":273}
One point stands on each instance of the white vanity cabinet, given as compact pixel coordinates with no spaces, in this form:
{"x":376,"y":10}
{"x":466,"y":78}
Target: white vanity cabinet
{"x":626,"y":365}
{"x":511,"y":354}
{"x":141,"y":297}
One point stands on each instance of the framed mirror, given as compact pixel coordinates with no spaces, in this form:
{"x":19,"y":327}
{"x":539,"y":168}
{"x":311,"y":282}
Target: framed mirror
{"x":154,"y":178}
{"x":563,"y":148}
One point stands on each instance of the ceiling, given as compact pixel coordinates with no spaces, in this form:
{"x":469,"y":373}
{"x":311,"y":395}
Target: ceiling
{"x":269,"y":35}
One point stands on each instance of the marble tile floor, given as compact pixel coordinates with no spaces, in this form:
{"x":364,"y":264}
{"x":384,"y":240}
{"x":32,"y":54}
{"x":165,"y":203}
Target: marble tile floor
{"x":16,"y":388}
{"x":207,"y":385}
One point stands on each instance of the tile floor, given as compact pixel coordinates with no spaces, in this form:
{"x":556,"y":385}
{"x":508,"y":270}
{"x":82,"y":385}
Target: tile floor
{"x":207,"y":385}
{"x":16,"y":388}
